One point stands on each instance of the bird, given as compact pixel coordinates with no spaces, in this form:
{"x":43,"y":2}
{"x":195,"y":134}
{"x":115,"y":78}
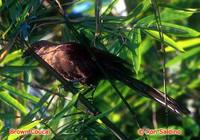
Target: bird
{"x":76,"y":62}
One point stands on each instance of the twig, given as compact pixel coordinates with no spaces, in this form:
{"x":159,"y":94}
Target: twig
{"x":159,"y":26}
{"x":97,"y":15}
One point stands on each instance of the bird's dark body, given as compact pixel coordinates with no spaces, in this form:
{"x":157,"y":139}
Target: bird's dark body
{"x":75,"y":63}
{"x":78,"y":63}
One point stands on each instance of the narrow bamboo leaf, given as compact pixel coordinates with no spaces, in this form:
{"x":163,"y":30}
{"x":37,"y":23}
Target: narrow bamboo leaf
{"x":104,"y":114}
{"x":145,"y":21}
{"x":37,"y":107}
{"x":141,"y":102}
{"x":1,"y":3}
{"x":179,"y":30}
{"x":185,"y":44}
{"x":146,"y":44}
{"x":11,"y":56}
{"x":168,"y":14}
{"x":58,"y":116}
{"x":172,"y":29}
{"x":110,"y":7}
{"x":15,"y":69}
{"x":8,"y":116}
{"x":6,"y":31}
{"x":54,"y":122}
{"x":135,"y":47}
{"x":25,"y":13}
{"x":5,"y":97}
{"x":19,"y":93}
{"x":167,"y":40}
{"x":183,"y":56}
{"x":26,"y":127}
{"x":102,"y":88}
{"x":139,"y":10}
{"x":1,"y":125}
{"x":194,"y":84}
{"x":192,"y":124}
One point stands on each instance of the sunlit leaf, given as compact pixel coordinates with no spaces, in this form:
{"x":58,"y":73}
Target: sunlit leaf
{"x":167,"y":40}
{"x":168,"y":14}
{"x":194,"y":84}
{"x":172,"y":29}
{"x":5,"y":97}
{"x":19,"y":93}
{"x":183,"y":56}
{"x":179,"y":30}
{"x":1,"y":3}
{"x":139,"y":10}
{"x":110,"y":7}
{"x":11,"y":57}
{"x":136,"y":49}
{"x":185,"y":44}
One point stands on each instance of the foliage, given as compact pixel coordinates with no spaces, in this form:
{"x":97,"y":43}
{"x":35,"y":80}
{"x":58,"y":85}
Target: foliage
{"x":32,"y":98}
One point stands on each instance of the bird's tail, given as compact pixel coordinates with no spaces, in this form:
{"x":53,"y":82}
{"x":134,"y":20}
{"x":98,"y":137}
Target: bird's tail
{"x":153,"y":93}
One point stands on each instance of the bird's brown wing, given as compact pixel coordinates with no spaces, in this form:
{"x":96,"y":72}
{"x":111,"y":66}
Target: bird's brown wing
{"x":82,"y":68}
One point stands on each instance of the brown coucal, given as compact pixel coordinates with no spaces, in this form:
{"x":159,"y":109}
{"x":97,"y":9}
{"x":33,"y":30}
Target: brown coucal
{"x":75,"y":62}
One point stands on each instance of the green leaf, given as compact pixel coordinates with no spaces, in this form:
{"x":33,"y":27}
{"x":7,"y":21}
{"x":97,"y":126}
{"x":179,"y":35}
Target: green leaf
{"x":8,"y":116}
{"x":11,"y":57}
{"x":1,"y":125}
{"x":59,"y":115}
{"x":15,"y":69}
{"x":185,"y":44}
{"x":146,"y":44}
{"x":139,"y":10}
{"x":5,"y":97}
{"x":110,"y":7}
{"x":135,"y":47}
{"x":26,"y":127}
{"x":179,"y":30}
{"x":167,"y":40}
{"x":37,"y":107}
{"x":25,"y":13}
{"x":192,"y":125}
{"x":19,"y":93}
{"x":194,"y":84}
{"x":14,"y":11}
{"x":104,"y":114}
{"x":168,"y":14}
{"x":1,"y":3}
{"x":183,"y":56}
{"x":170,"y":28}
